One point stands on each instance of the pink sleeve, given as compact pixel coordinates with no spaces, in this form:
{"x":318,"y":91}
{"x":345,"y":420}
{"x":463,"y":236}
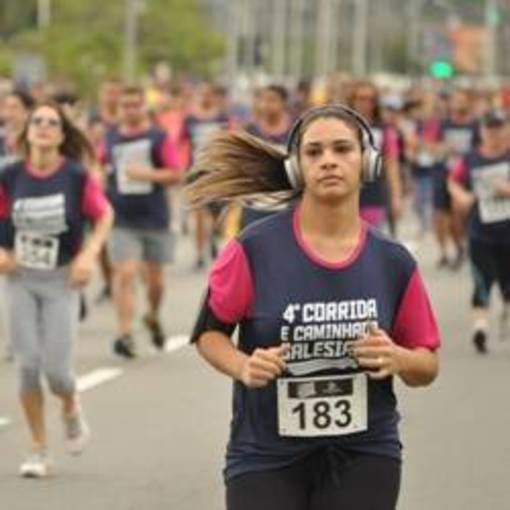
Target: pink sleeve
{"x":94,"y":203}
{"x":390,"y":144}
{"x":101,"y":152}
{"x":415,"y":325}
{"x":231,"y":290}
{"x":432,"y":131}
{"x":459,"y":172}
{"x":4,"y":203}
{"x":169,"y":154}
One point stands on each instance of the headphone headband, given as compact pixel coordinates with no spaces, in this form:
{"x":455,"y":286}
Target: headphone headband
{"x":323,"y":110}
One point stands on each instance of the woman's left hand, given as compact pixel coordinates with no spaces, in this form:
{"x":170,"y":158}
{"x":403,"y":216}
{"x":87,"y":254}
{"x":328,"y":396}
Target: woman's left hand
{"x":378,"y":354}
{"x":81,"y":270}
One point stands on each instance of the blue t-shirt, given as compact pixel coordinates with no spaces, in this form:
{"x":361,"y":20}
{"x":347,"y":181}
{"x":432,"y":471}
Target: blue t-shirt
{"x":278,"y":291}
{"x":489,"y":220}
{"x":43,"y":218}
{"x":140,"y":205}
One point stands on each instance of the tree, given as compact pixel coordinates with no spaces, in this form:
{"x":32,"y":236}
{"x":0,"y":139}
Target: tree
{"x":85,"y":39}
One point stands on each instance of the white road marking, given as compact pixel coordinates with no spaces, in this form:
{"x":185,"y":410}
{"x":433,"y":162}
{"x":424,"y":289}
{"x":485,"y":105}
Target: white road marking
{"x":105,"y":374}
{"x":174,"y":343}
{"x":97,"y":377}
{"x":4,"y":422}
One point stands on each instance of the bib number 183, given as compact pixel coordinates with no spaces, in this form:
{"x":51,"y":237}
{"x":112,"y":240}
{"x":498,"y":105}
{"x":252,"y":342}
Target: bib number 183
{"x":323,"y":414}
{"x":322,"y":406}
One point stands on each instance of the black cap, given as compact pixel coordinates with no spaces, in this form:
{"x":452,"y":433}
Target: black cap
{"x":494,"y":118}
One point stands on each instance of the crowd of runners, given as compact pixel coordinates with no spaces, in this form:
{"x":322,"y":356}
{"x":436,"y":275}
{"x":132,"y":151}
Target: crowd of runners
{"x":312,"y":183}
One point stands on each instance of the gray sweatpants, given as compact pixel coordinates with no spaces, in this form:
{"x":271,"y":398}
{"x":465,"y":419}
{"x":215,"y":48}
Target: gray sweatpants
{"x":43,"y":319}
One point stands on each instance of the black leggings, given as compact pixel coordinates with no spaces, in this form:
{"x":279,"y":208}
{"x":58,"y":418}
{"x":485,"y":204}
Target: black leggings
{"x":323,"y":481}
{"x":490,"y":264}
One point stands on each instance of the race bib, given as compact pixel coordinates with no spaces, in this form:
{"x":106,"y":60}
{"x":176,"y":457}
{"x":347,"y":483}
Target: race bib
{"x":36,"y":251}
{"x":425,"y":159}
{"x":126,"y":155}
{"x":322,"y":406}
{"x":491,"y":207}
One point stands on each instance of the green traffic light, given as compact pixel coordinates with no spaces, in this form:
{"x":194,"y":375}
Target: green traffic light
{"x":441,"y":69}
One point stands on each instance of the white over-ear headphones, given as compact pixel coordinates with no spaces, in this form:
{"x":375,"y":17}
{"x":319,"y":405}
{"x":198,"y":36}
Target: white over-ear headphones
{"x":372,"y":158}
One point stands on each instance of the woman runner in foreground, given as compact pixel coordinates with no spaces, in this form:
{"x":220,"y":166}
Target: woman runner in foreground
{"x":328,"y":309}
{"x":46,"y":200}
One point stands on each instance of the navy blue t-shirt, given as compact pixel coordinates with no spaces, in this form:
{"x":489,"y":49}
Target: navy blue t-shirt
{"x":270,"y":283}
{"x":200,"y":130}
{"x":489,"y":220}
{"x":43,"y":217}
{"x":141,"y":205}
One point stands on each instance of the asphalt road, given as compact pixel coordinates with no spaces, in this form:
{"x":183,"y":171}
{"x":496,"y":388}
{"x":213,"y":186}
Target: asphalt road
{"x":160,"y":423}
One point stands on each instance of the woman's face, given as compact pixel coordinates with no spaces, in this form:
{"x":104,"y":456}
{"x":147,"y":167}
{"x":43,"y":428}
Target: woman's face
{"x":330,"y":156}
{"x":45,"y":128}
{"x":15,"y":114}
{"x":365,"y":100}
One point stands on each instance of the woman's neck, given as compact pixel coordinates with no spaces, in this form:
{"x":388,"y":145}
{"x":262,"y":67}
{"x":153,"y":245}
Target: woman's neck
{"x":44,"y":160}
{"x":340,"y":220}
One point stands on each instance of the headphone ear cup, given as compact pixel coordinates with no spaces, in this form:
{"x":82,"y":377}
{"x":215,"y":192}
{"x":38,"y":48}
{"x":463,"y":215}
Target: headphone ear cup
{"x":293,"y":172}
{"x":372,"y":164}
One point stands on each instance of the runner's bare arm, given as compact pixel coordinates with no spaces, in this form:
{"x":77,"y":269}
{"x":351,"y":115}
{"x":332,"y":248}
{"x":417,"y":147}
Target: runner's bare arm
{"x":462,"y":198}
{"x":255,"y":371}
{"x":8,"y":262}
{"x":384,"y":358}
{"x":163,"y":176}
{"x":83,"y":263}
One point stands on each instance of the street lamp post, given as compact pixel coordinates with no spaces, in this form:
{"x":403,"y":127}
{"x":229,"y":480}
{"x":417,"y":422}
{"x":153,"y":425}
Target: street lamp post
{"x":360,"y":32}
{"x":133,"y":8}
{"x":43,"y":13}
{"x":491,"y":23}
{"x":279,"y":37}
{"x":296,"y":53}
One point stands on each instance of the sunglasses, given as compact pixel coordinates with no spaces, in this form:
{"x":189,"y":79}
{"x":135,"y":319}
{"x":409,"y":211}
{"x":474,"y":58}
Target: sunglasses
{"x":45,"y":121}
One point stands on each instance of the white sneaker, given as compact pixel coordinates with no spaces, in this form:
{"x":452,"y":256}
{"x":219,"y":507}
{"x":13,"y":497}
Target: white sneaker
{"x":77,"y":432}
{"x":37,"y":465}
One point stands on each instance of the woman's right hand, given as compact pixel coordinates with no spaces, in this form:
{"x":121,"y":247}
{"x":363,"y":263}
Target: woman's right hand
{"x":263,"y":366}
{"x":8,"y":262}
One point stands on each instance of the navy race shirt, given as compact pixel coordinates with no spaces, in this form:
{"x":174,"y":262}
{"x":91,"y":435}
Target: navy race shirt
{"x":270,"y":283}
{"x":43,"y":217}
{"x":489,"y":220}
{"x":138,"y":204}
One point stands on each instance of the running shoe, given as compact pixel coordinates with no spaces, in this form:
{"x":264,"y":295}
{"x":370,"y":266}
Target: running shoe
{"x":36,"y":465}
{"x":442,"y":262}
{"x":77,"y":432}
{"x":458,"y":262}
{"x":156,"y":331}
{"x":104,"y":295}
{"x":199,"y":264}
{"x":124,"y":347}
{"x":84,"y":309}
{"x":480,"y":341}
{"x":214,"y":248}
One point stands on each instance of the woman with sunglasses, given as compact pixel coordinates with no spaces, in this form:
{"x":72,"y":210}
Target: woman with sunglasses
{"x":329,"y":310}
{"x":46,"y":200}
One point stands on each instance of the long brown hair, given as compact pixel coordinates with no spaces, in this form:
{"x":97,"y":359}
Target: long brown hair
{"x":236,"y":166}
{"x":75,"y":145}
